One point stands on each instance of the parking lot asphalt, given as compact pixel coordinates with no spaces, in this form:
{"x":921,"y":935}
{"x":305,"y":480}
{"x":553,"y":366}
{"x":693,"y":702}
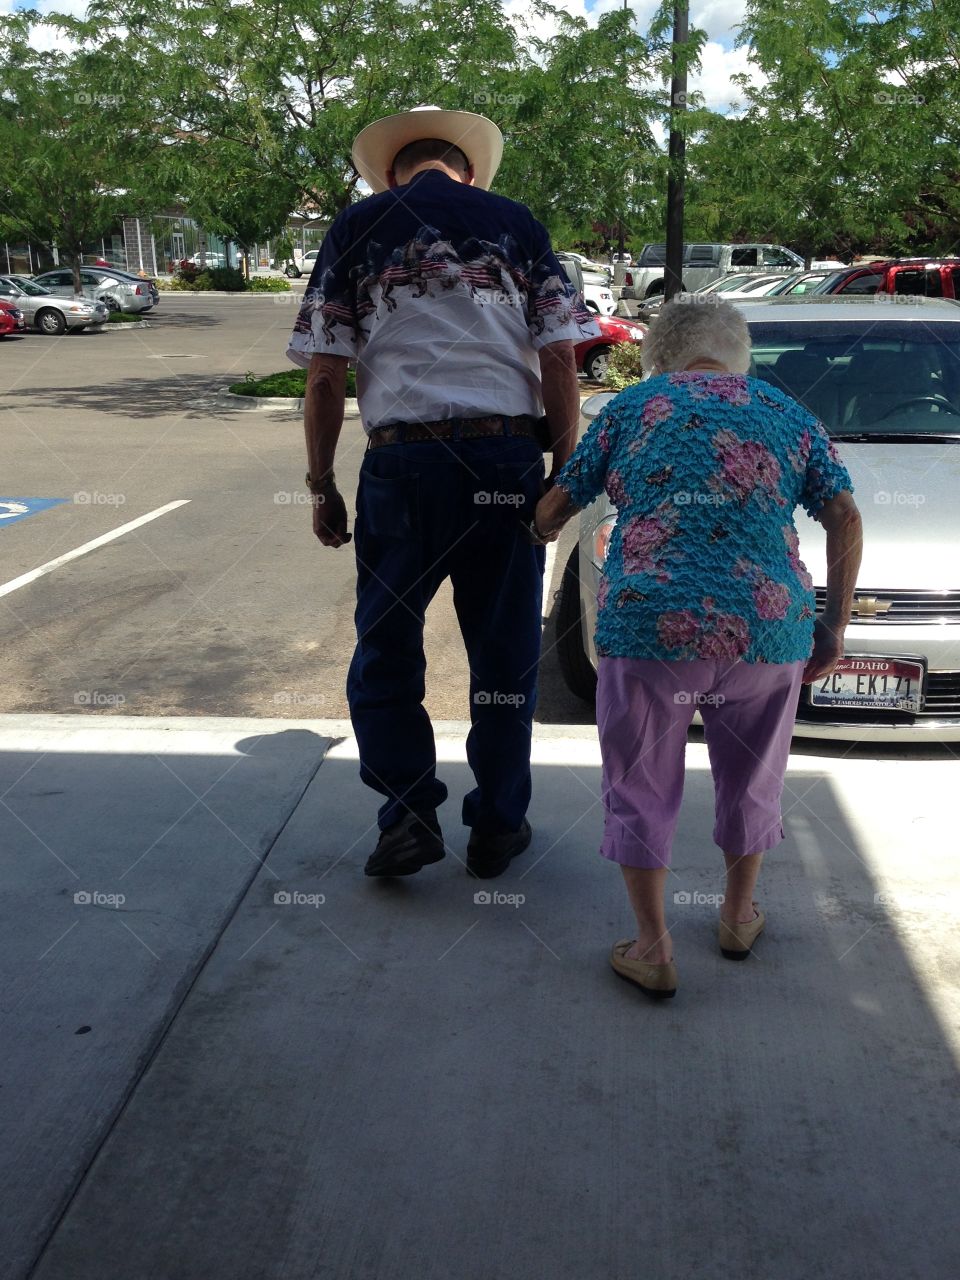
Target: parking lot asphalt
{"x":225,"y":604}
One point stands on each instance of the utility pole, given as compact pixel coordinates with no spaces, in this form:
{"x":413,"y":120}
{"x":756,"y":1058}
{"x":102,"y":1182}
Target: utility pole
{"x":620,"y":218}
{"x":673,"y":273}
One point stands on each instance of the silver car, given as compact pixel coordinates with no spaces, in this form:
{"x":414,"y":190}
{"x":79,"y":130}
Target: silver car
{"x":116,"y":290}
{"x":885,"y":380}
{"x":46,"y":312}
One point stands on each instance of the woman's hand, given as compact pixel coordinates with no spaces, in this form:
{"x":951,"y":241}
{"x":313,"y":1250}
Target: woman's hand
{"x":827,"y":651}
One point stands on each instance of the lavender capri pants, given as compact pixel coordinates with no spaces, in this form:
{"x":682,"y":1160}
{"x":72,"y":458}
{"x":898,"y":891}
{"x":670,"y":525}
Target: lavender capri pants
{"x":644,"y":708}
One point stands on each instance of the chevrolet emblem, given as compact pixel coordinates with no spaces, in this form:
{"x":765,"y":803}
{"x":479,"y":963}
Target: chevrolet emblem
{"x":869,"y":607}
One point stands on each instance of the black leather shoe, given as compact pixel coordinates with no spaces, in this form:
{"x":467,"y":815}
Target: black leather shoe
{"x":413,"y":842}
{"x":489,"y":856}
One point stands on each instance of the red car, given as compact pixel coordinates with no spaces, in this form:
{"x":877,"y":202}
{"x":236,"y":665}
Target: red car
{"x":930,"y":277}
{"x":11,"y":319}
{"x":593,"y":354}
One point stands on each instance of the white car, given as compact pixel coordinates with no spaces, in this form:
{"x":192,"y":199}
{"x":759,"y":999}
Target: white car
{"x":885,"y":381}
{"x":597,"y":295}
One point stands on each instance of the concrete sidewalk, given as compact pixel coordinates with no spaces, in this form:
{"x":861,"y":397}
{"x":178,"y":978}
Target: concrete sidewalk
{"x":259,"y":1063}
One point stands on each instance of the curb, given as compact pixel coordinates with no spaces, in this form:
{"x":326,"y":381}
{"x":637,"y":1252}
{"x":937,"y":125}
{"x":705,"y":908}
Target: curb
{"x":125,"y":325}
{"x":277,"y":402}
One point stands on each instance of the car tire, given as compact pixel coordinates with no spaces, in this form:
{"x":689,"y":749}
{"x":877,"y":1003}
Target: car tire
{"x":579,"y":676}
{"x":595,"y":365}
{"x":292,"y":273}
{"x":111,"y":303}
{"x":50,"y":322}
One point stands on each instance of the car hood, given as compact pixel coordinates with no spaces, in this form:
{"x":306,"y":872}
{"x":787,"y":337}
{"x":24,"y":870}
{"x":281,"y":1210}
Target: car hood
{"x":907,"y":495}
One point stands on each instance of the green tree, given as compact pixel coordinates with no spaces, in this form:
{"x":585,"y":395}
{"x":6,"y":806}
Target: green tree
{"x":70,"y":147}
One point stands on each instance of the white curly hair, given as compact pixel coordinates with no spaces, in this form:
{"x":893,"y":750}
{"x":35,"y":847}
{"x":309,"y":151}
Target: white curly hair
{"x":695,"y":327}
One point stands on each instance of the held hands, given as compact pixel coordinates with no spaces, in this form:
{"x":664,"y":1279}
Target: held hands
{"x":827,"y":651}
{"x":330,"y":517}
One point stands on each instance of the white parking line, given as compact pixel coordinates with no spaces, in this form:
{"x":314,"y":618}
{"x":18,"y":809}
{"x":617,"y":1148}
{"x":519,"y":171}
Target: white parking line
{"x":15,"y":583}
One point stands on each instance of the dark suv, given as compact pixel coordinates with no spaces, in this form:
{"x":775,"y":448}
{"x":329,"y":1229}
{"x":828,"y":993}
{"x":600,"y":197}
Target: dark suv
{"x":907,"y":277}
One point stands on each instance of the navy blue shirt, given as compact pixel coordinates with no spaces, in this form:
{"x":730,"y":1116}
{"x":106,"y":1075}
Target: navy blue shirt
{"x":443,"y":293}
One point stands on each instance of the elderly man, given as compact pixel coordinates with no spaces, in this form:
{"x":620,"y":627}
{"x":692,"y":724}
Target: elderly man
{"x":462,"y":324}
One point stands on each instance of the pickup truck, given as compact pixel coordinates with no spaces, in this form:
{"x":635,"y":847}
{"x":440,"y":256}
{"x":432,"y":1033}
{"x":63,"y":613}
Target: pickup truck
{"x":906,"y":277}
{"x":702,"y":264}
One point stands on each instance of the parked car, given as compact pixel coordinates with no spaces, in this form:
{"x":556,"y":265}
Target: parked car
{"x":588,"y":264}
{"x":887,"y":386}
{"x":747,"y":284}
{"x":908,"y":277}
{"x":702,"y":264}
{"x":119,"y":291}
{"x":804,"y":282}
{"x":596,"y":286}
{"x":593,"y":354}
{"x":303,"y":265}
{"x":150,"y":283}
{"x":11,"y":319}
{"x":44,"y":311}
{"x":210,"y":259}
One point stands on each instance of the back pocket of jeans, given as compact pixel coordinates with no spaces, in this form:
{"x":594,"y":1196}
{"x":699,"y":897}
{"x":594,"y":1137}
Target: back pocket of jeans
{"x":389,"y":506}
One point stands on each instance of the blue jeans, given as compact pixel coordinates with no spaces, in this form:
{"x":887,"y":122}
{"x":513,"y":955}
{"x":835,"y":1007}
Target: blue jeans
{"x":425,"y":512}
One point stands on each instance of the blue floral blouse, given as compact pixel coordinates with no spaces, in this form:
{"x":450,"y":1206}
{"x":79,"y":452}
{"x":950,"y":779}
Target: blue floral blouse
{"x":705,"y":470}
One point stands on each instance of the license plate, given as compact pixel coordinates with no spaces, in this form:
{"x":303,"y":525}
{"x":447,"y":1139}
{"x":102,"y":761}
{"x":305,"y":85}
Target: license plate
{"x":872,"y":684}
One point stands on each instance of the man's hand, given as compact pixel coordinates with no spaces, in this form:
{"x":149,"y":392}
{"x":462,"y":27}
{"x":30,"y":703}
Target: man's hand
{"x":827,"y":651}
{"x":330,"y":518}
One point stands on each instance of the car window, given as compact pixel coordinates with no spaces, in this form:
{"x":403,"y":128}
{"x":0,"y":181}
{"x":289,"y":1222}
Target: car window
{"x":774,"y":257}
{"x":31,"y":288}
{"x":868,"y":282}
{"x":59,"y":278}
{"x":7,"y":290}
{"x":918,"y":282}
{"x":653,"y":255}
{"x":868,"y":376}
{"x":701,"y":255}
{"x":743,"y":255}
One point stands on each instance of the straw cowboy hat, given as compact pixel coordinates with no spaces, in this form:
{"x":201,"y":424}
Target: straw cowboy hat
{"x":477,"y":137}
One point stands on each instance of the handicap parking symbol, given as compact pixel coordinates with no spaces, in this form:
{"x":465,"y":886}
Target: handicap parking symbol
{"x":12,"y":509}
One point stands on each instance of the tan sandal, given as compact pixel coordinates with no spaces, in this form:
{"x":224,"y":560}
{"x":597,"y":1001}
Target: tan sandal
{"x":659,"y":981}
{"x":736,"y":940}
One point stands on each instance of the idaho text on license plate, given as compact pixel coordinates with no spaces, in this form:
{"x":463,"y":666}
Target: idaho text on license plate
{"x":873,"y":684}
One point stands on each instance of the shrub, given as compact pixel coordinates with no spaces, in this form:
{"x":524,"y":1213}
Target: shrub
{"x":227,"y":279}
{"x":290,"y":382}
{"x":624,"y":367}
{"x":268,"y":284}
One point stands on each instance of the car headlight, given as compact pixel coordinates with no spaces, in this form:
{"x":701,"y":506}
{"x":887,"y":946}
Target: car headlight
{"x":81,"y":310}
{"x":601,"y":540}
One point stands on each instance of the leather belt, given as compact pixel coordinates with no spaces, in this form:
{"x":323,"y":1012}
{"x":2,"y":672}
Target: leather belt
{"x":454,"y":429}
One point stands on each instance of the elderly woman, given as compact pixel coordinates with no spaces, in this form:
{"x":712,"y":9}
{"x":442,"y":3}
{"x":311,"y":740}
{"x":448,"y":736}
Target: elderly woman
{"x":704,"y":605}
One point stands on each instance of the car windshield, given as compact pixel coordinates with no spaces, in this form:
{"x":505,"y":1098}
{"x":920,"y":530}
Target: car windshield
{"x":29,"y":287}
{"x":869,"y":377}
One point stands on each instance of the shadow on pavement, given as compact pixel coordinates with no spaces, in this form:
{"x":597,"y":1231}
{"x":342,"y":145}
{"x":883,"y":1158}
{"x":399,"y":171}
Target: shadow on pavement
{"x":136,"y":399}
{"x":306,"y":1073}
